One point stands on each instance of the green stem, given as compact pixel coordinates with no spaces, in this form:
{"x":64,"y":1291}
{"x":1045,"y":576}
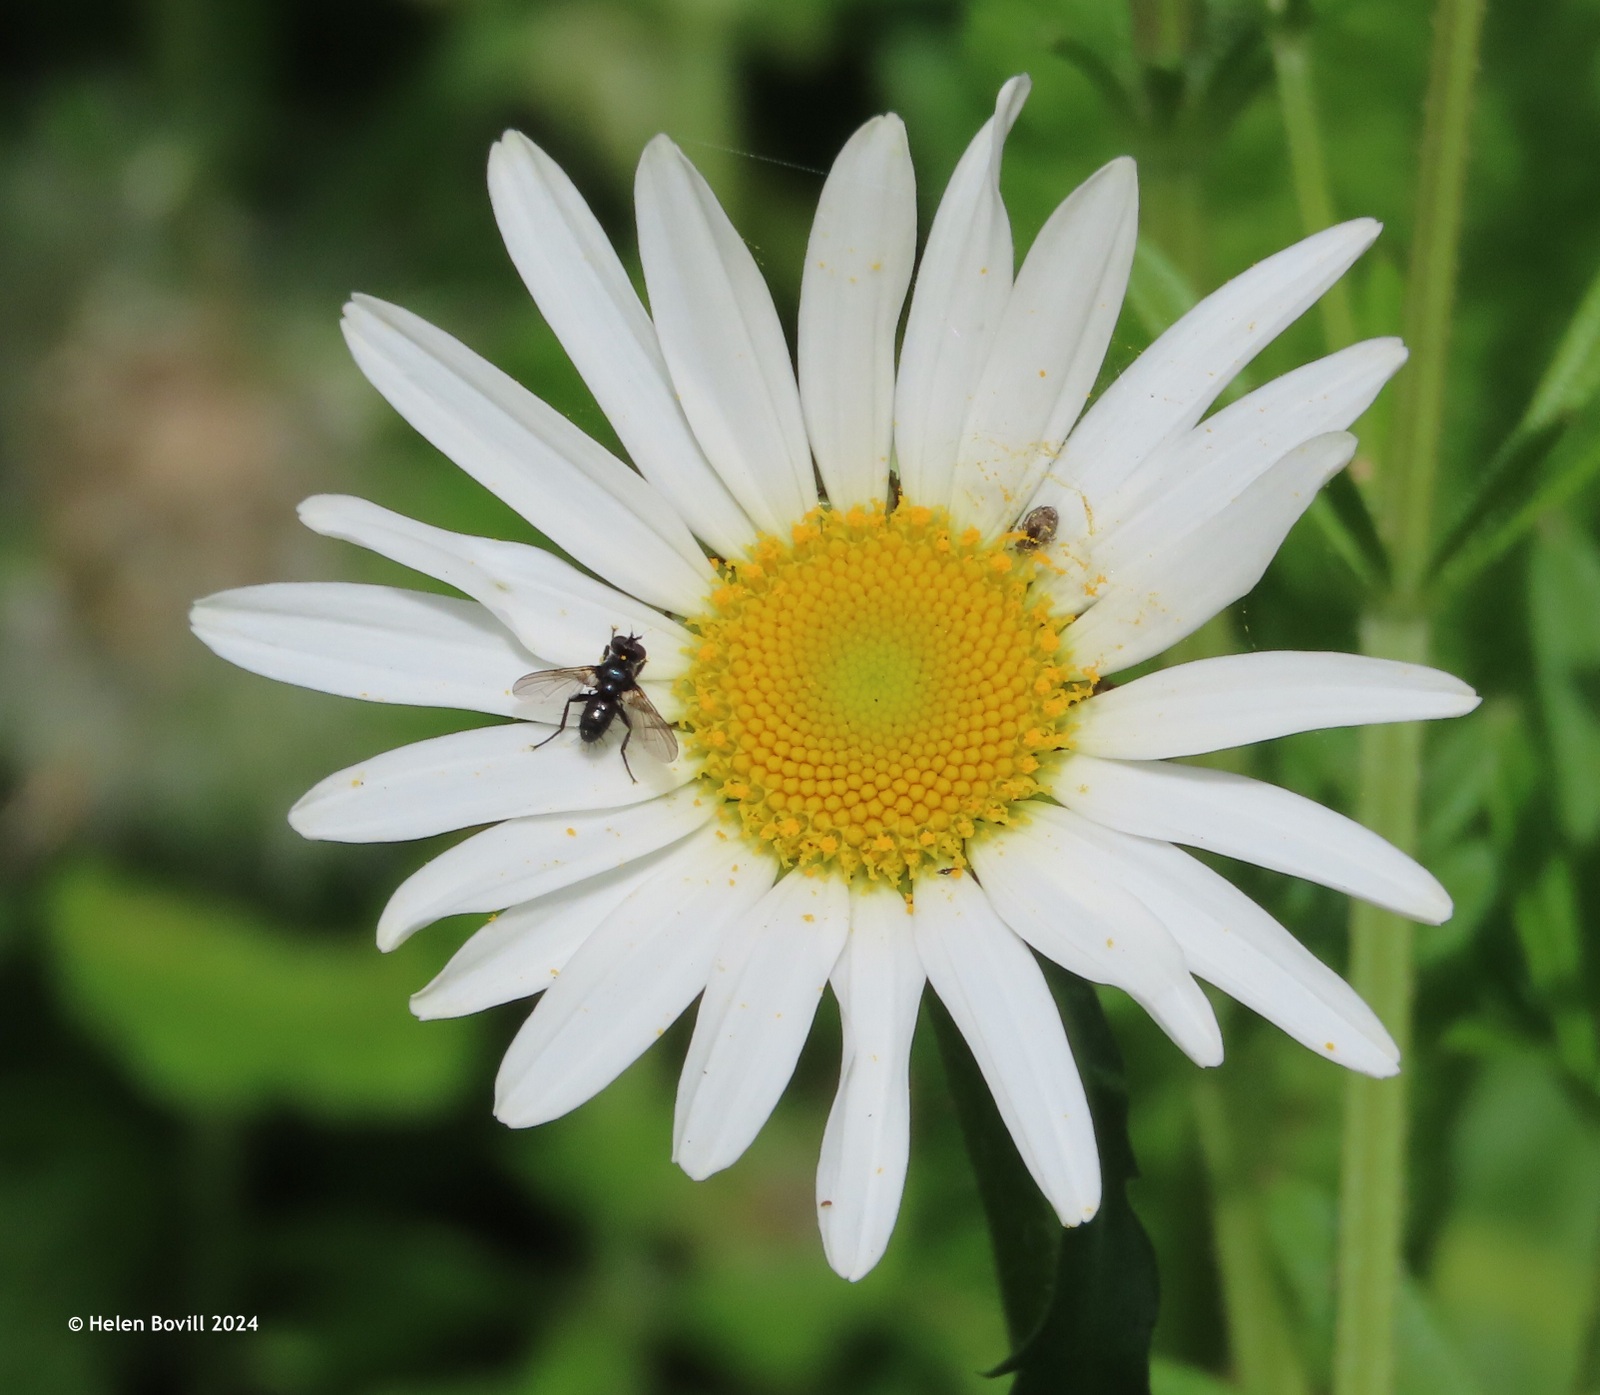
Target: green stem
{"x":1406,"y":489}
{"x":1372,"y":1182}
{"x":1291,"y":62}
{"x":1372,"y":1166}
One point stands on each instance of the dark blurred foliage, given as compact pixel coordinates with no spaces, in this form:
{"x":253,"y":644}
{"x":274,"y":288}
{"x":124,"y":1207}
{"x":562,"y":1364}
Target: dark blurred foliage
{"x":212,"y":1096}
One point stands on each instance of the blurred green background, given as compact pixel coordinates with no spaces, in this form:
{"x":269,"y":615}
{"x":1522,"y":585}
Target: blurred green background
{"x":212,"y":1095}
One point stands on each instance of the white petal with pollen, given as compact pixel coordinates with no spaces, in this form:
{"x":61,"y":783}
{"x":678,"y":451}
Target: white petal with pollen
{"x":1191,"y":479}
{"x":1212,"y":704}
{"x":524,"y":858}
{"x":765,"y":982}
{"x":858,"y":266}
{"x":997,"y":996}
{"x":476,"y":777}
{"x":550,"y":605}
{"x":1230,"y":941}
{"x":372,"y":642}
{"x":1168,"y":388}
{"x":580,"y":286}
{"x":629,"y":980}
{"x":567,"y":485}
{"x":1256,"y":822}
{"x":722,"y":341}
{"x":878,"y":982}
{"x":1048,"y":886}
{"x":1052,"y":339}
{"x":1163,"y":594}
{"x":522,"y":951}
{"x":962,"y":286}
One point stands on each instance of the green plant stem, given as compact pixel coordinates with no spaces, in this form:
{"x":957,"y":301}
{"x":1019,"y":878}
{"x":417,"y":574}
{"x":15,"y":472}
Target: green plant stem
{"x":1406,"y":489}
{"x":1372,"y":1165}
{"x":1372,"y":1182}
{"x":1291,"y":63}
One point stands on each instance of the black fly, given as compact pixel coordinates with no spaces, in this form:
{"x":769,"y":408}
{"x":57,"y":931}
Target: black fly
{"x":608,"y":690}
{"x":1037,"y":529}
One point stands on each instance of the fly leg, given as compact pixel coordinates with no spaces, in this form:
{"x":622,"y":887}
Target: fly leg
{"x":627,"y":721}
{"x":566,"y":707}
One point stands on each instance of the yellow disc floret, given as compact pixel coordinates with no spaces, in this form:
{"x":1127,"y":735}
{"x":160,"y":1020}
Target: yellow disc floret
{"x":868,"y":694}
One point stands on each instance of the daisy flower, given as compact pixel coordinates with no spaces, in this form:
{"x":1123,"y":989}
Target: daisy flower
{"x":877,"y":602}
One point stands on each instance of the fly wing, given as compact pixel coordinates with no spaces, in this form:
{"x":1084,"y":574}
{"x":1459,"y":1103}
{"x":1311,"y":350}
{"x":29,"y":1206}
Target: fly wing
{"x":545,"y":694}
{"x":649,"y":727}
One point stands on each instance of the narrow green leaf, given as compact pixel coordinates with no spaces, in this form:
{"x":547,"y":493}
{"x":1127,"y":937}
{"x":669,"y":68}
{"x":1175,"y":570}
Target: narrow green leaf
{"x":1549,"y":482}
{"x":1103,"y":1307}
{"x":1549,"y":925}
{"x":1347,"y":523}
{"x":1080,"y":1303}
{"x":1546,"y":918}
{"x":1105,"y":80}
{"x":1573,"y":377}
{"x":1022,"y":1228}
{"x":1507,"y":475}
{"x":1261,"y":1346}
{"x":1564,"y":614}
{"x":1158,"y":291}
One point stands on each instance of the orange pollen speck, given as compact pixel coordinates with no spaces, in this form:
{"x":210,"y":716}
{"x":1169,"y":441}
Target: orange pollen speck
{"x":866,"y":696}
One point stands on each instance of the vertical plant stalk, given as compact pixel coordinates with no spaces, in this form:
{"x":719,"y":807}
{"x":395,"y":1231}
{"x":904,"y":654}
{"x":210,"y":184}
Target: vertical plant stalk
{"x":1291,"y":64}
{"x":1372,"y":1183}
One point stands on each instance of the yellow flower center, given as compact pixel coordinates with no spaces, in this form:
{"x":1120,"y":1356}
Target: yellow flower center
{"x":868,"y":694}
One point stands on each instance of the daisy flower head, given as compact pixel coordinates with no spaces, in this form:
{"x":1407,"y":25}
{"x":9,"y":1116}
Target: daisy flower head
{"x":876,"y":598}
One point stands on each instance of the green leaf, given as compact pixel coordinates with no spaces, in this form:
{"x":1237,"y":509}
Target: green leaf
{"x":1080,"y":1303}
{"x":1573,"y":377}
{"x":1427,"y":1360}
{"x":1546,"y":918}
{"x":1564,"y":610}
{"x":1158,"y":291}
{"x":1470,"y":872}
{"x":213,"y":1009}
{"x":1526,"y":463}
{"x":1174,"y":1378}
{"x":1546,"y":476}
{"x":1482,"y":766}
{"x":1513,"y":1265}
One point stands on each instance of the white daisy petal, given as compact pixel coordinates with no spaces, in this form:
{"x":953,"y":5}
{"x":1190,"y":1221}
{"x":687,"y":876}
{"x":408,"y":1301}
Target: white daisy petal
{"x":1168,"y":387}
{"x":1049,"y":887}
{"x":523,"y":950}
{"x":1213,"y":704}
{"x":1163,"y":594}
{"x":1052,"y":339}
{"x":861,"y":1174}
{"x":1187,"y":481}
{"x":551,"y":606}
{"x":567,"y":485}
{"x":525,"y":858}
{"x":476,"y":777}
{"x":764,"y":985}
{"x":858,"y":266}
{"x":997,"y":996}
{"x":1256,"y":822}
{"x":1230,"y":941}
{"x":722,"y":341}
{"x":580,"y":286}
{"x":962,"y":286}
{"x":629,"y":980}
{"x":372,"y":642}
